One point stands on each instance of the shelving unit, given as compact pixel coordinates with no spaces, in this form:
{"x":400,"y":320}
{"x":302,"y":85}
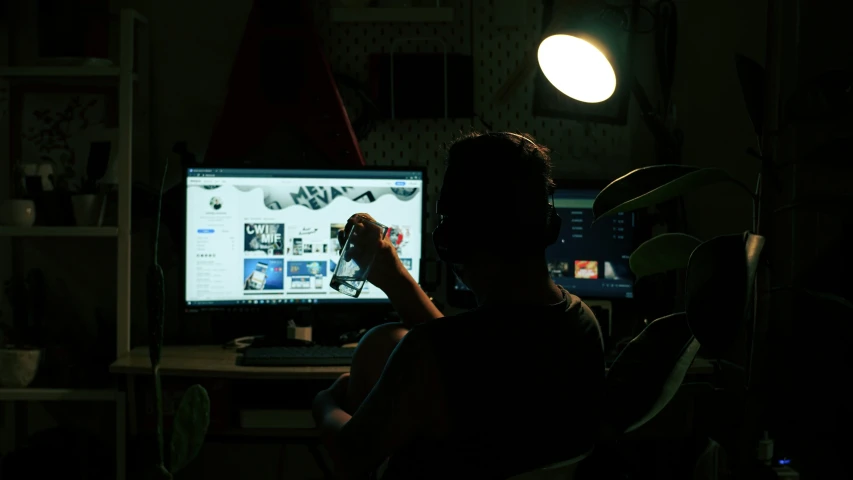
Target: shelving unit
{"x":69,"y":72}
{"x":66,"y":395}
{"x":130,"y":74}
{"x":58,"y":231}
{"x":57,"y":395}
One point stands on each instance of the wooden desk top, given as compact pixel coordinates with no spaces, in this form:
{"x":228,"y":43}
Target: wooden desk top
{"x":218,"y":362}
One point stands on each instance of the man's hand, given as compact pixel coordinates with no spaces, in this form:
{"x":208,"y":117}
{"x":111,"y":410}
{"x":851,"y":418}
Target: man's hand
{"x":387,"y":267}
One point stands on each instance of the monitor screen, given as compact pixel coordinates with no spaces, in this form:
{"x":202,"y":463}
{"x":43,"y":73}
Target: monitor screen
{"x":270,"y":236}
{"x":590,"y":261}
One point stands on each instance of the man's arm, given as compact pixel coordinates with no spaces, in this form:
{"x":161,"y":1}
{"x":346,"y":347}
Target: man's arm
{"x":401,"y":406}
{"x":410,"y":301}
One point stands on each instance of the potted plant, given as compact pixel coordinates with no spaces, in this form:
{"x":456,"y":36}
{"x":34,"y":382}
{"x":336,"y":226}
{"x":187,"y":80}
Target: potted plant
{"x":21,"y":346}
{"x":52,"y":137}
{"x":88,"y":202}
{"x":735,"y":261}
{"x":20,"y":210}
{"x":191,"y":421}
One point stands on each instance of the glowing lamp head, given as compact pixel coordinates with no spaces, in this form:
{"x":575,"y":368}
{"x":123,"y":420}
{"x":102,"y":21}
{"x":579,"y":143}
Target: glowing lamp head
{"x":577,"y":68}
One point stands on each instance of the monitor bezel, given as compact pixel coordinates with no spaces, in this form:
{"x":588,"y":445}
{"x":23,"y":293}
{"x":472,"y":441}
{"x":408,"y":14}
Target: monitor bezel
{"x":642,"y":232}
{"x":196,"y":309}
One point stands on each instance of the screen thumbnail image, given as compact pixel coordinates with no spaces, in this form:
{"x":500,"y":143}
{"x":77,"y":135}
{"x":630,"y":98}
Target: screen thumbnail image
{"x":399,"y":237}
{"x":263,"y":274}
{"x":616,"y":271}
{"x":306,"y":274}
{"x":587,"y":269}
{"x":264,"y":238}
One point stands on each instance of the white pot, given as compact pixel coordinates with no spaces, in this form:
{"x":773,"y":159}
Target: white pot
{"x":88,"y":209}
{"x":18,"y":213}
{"x":18,"y":367}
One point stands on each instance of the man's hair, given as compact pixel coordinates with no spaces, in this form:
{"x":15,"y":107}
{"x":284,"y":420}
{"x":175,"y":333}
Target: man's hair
{"x":513,"y":165}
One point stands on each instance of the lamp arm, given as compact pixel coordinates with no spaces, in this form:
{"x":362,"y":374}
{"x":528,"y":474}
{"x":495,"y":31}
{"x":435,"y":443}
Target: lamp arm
{"x":665,"y":140}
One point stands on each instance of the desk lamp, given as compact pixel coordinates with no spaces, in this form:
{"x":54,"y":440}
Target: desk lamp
{"x":584,"y":54}
{"x":579,"y":53}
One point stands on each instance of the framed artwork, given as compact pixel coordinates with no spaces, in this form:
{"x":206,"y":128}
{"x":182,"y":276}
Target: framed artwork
{"x":54,"y":125}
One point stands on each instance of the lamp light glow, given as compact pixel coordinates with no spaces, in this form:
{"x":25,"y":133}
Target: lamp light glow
{"x":577,"y":68}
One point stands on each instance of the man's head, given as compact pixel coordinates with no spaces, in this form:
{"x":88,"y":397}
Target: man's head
{"x":494,"y":203}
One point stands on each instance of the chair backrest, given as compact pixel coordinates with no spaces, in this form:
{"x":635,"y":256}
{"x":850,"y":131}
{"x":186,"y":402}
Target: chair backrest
{"x":640,"y":383}
{"x":647,"y":374}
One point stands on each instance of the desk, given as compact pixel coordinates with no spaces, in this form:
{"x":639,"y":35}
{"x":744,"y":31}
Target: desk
{"x":217,"y":362}
{"x":214,"y":362}
{"x":220,"y":363}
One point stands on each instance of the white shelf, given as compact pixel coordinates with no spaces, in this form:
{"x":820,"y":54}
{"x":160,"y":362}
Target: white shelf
{"x":383,"y":15}
{"x":56,"y":395}
{"x":58,"y":231}
{"x":67,"y":72}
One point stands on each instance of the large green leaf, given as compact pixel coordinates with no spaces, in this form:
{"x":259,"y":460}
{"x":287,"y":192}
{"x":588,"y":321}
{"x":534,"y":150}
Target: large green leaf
{"x":649,"y":186}
{"x":190,"y":427}
{"x":751,"y":77}
{"x":829,"y":203}
{"x":648,"y":373}
{"x":720,"y":287}
{"x":663,"y":253}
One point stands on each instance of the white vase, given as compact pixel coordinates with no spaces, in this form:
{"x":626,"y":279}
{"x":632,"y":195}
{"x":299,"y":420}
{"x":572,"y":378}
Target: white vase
{"x":88,"y":209}
{"x":18,"y":213}
{"x":18,"y":367}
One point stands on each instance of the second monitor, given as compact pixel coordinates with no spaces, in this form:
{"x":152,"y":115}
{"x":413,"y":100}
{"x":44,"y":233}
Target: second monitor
{"x":588,"y":260}
{"x":270,"y":236}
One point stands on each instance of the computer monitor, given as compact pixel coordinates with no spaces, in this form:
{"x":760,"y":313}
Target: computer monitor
{"x":269,"y":236}
{"x":590,"y":261}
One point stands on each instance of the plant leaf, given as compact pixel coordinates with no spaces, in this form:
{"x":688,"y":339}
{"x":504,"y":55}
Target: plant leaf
{"x":837,"y":152}
{"x":648,"y":373}
{"x":829,"y":203}
{"x":719,"y":288}
{"x":751,"y":77}
{"x":663,"y":253}
{"x":825,"y":296}
{"x":190,"y":427}
{"x":649,"y":186}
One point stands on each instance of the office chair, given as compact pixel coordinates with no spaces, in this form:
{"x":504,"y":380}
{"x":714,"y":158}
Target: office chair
{"x":640,"y":383}
{"x":652,"y":367}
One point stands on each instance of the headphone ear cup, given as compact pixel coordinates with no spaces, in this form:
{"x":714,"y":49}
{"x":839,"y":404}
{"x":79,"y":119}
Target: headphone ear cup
{"x":447,"y":245}
{"x":555,"y":223}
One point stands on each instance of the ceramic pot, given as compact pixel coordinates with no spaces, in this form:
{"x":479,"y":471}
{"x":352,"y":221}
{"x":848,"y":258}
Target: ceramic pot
{"x":18,"y":213}
{"x":88,"y":209}
{"x":18,"y":367}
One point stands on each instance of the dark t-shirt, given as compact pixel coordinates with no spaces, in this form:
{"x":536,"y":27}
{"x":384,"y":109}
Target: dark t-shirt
{"x":523,"y":389}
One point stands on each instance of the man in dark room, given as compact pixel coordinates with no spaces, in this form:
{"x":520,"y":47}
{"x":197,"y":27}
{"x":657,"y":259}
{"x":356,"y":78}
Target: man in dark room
{"x":508,"y":387}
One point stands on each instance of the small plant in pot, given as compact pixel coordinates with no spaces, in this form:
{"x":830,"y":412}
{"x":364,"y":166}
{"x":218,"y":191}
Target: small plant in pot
{"x":89,"y":201}
{"x":20,"y":210}
{"x":20,"y":349}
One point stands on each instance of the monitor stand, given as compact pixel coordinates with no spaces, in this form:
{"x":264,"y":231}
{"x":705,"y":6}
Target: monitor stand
{"x":277,"y":336}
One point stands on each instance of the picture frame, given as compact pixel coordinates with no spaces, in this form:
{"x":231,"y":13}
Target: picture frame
{"x":34,"y":131}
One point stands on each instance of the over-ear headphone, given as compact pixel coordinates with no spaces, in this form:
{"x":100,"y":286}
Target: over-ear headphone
{"x":453,"y":237}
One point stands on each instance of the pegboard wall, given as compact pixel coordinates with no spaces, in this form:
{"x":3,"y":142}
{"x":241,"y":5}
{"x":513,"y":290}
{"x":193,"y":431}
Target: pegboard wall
{"x":579,"y":149}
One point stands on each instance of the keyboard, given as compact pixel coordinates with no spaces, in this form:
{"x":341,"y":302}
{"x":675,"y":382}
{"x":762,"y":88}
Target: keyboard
{"x":315,"y":356}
